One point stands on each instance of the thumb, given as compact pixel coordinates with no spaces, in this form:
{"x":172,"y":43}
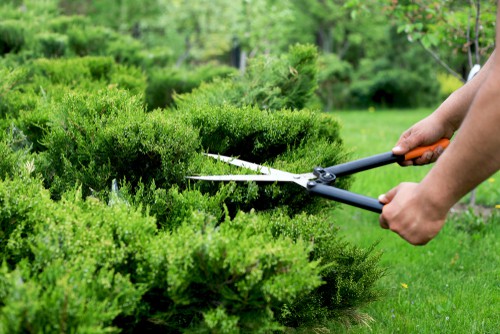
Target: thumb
{"x":406,"y":144}
{"x":388,"y":196}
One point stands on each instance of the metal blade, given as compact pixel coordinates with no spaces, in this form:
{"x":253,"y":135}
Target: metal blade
{"x":249,"y":165}
{"x":270,"y":174}
{"x":257,"y":178}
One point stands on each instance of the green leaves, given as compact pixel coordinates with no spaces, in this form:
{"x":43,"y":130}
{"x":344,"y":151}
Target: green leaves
{"x":101,"y":232}
{"x":465,"y":28}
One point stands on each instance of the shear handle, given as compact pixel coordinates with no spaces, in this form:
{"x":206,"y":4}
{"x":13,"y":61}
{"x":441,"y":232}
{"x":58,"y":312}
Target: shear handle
{"x":382,"y":159}
{"x":344,"y":196}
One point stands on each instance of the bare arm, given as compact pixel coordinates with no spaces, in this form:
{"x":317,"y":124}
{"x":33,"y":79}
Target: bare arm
{"x":417,"y":212}
{"x":453,"y":110}
{"x":445,"y":120}
{"x":475,"y":152}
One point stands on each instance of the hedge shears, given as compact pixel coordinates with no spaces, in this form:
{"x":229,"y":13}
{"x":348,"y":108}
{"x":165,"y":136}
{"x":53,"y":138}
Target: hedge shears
{"x":320,"y":181}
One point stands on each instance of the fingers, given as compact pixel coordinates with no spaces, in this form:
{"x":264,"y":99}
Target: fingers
{"x":411,"y":140}
{"x":383,"y":223}
{"x":386,"y":199}
{"x":408,"y":141}
{"x":429,"y":157}
{"x":388,"y":196}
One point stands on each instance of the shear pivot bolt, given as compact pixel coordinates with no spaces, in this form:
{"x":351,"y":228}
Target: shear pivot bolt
{"x":311,"y":184}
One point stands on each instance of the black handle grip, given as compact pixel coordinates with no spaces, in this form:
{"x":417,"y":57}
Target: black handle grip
{"x":344,"y":196}
{"x":360,"y":165}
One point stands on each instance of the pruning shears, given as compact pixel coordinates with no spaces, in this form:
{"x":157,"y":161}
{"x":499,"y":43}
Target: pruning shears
{"x":320,"y":181}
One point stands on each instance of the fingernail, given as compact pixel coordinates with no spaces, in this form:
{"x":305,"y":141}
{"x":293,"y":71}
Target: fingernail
{"x":397,"y":149}
{"x":382,"y":198}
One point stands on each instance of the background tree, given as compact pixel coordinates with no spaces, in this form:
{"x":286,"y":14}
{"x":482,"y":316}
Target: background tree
{"x":456,"y":33}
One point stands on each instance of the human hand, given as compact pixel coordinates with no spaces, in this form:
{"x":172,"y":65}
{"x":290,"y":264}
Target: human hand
{"x":426,"y":132}
{"x":411,"y":214}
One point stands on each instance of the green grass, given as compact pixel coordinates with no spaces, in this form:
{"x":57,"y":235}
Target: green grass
{"x":451,"y":285}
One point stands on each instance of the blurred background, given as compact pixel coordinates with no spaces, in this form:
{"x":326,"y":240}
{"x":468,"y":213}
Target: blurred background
{"x":373,"y":53}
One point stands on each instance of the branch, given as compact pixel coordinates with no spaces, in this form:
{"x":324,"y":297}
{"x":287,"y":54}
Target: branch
{"x":476,"y":38}
{"x":469,"y":52}
{"x":187,"y":51}
{"x":441,"y":62}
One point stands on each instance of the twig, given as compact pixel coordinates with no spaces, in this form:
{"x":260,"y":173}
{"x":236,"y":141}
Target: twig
{"x":441,"y":62}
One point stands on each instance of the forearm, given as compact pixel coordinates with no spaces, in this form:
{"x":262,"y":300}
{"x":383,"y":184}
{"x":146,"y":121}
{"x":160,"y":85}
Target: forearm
{"x":454,"y":109}
{"x":474,"y":154}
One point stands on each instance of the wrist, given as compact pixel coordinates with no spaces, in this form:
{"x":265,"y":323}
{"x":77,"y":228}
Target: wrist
{"x":452,"y":111}
{"x":448,"y":123}
{"x":434,"y":199}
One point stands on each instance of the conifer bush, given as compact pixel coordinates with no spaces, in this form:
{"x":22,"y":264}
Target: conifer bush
{"x":13,"y":93}
{"x":30,"y":89}
{"x":12,"y":36}
{"x":107,"y":135}
{"x":164,"y":84}
{"x":52,"y":45}
{"x":82,"y":256}
{"x":233,"y":120}
{"x":101,"y":267}
{"x":348,"y":273}
{"x":101,"y":232}
{"x":287,"y":82}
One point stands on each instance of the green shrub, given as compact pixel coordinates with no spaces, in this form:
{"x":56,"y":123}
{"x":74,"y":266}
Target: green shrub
{"x":229,"y":278}
{"x":37,"y":84}
{"x":14,"y":95}
{"x":164,"y":84}
{"x":147,"y":249}
{"x":157,"y":57}
{"x":88,"y":266}
{"x":22,"y":203}
{"x":7,"y":160}
{"x":105,"y":135}
{"x":232,"y":119}
{"x":69,"y":72}
{"x":251,"y":133}
{"x":173,"y":206}
{"x":79,"y":261}
{"x":65,"y":297}
{"x":348,"y":273}
{"x":295,"y":141}
{"x":14,"y":153}
{"x":87,"y":73}
{"x":63,"y":23}
{"x":125,"y":50}
{"x":287,"y":82}
{"x":52,"y":45}
{"x":334,"y":76}
{"x":447,"y":85}
{"x":89,"y":40}
{"x":380,"y":83}
{"x":12,"y":36}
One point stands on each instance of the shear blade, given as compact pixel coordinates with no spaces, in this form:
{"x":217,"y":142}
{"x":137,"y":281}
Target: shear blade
{"x":257,"y":178}
{"x":248,"y":165}
{"x":270,"y":174}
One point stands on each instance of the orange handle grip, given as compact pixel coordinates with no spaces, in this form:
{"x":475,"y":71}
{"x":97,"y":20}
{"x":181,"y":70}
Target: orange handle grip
{"x":419,"y":151}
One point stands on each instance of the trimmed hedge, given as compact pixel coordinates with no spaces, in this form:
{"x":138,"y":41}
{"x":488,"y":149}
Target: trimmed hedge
{"x":108,"y":135}
{"x":165,"y":84}
{"x":270,"y":83}
{"x":101,"y":232}
{"x":104,"y":269}
{"x":12,"y":36}
{"x":32,"y":87}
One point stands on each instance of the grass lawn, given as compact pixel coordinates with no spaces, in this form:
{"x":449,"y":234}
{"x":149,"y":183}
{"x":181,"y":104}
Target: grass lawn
{"x":451,"y":285}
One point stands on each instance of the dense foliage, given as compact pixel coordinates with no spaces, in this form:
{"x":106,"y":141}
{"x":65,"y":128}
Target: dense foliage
{"x":179,"y":38}
{"x":101,"y":232}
